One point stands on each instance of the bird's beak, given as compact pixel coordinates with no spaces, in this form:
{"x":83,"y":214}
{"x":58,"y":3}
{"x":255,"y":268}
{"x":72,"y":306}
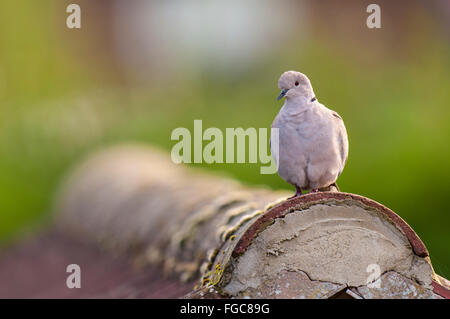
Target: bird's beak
{"x":282,"y":94}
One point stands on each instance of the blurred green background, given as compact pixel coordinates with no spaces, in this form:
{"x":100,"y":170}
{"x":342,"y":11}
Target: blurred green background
{"x":137,"y":70}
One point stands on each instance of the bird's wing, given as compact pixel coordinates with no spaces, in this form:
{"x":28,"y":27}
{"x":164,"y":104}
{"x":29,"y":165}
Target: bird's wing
{"x":342,"y":138}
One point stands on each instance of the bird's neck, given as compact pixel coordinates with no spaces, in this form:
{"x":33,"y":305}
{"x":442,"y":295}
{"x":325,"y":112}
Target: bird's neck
{"x":296,"y":105}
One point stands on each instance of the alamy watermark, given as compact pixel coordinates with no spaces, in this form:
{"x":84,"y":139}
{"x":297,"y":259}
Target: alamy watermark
{"x":221,"y":147}
{"x":374,"y":19}
{"x":373,"y":280}
{"x":73,"y":20}
{"x":74,"y":279}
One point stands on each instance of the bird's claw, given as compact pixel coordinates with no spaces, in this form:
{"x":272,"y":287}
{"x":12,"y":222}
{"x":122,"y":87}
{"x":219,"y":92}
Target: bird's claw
{"x":298,"y":192}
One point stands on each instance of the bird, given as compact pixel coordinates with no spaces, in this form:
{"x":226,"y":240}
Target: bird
{"x":310,"y":148}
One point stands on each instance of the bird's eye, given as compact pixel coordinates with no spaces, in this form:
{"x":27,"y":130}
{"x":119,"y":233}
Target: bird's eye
{"x":296,"y":83}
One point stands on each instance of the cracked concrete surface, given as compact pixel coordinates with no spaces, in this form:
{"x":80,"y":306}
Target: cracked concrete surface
{"x":331,"y":244}
{"x":392,"y":285}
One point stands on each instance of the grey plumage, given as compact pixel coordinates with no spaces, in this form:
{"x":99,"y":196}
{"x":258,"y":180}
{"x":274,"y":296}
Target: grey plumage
{"x":313,"y":143}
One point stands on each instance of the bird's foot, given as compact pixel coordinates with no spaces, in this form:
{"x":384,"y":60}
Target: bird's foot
{"x":298,"y":192}
{"x":314,"y":190}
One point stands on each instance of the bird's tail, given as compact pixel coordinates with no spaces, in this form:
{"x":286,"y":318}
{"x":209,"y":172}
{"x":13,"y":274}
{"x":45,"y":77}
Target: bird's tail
{"x":331,"y":188}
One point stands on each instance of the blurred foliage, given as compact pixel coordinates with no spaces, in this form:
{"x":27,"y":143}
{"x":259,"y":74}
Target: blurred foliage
{"x":55,"y":110}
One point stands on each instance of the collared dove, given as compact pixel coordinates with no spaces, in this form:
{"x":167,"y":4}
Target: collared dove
{"x":312,"y":139}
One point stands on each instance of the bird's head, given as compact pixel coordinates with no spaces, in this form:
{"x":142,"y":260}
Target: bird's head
{"x":295,"y":85}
